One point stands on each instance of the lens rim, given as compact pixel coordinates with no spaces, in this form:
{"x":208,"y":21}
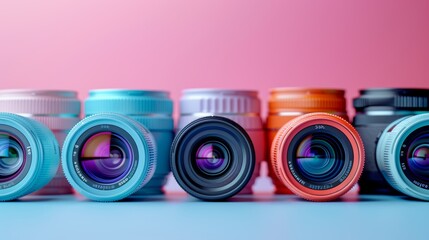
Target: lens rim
{"x":282,"y":142}
{"x":241,"y":166}
{"x":145,"y":155}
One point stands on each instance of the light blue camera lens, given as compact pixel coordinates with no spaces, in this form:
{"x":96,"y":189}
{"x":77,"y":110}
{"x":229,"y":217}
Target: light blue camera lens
{"x":29,"y":156}
{"x":108,"y":157}
{"x":403,"y":155}
{"x":152,"y":109}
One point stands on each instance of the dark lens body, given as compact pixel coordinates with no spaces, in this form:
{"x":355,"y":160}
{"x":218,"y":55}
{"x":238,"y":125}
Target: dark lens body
{"x":212,"y":158}
{"x":375,"y":110}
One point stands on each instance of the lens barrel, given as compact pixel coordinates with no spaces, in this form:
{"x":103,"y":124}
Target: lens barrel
{"x":241,"y":106}
{"x":29,"y":156}
{"x":318,"y":156}
{"x":212,"y":158}
{"x":403,"y":155}
{"x":108,"y":157}
{"x":152,"y":109}
{"x":376,"y":108}
{"x":58,"y":110}
{"x":286,"y":104}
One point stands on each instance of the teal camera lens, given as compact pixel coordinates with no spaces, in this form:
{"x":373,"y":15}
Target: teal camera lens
{"x":29,"y":156}
{"x":59,"y":110}
{"x":403,"y":155}
{"x":152,"y":109}
{"x":108,"y":157}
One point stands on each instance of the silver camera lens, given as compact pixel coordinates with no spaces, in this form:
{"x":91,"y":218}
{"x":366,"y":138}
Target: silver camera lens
{"x":241,"y":106}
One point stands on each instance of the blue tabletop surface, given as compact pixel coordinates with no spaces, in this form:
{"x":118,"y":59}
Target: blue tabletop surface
{"x":243,"y":217}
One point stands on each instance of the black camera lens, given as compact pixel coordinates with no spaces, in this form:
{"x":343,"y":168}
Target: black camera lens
{"x":212,"y":158}
{"x":375,"y":109}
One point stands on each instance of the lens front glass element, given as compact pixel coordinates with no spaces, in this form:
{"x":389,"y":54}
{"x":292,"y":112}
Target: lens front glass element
{"x":12,"y":156}
{"x":106,"y":157}
{"x":212,"y":158}
{"x":320,"y":158}
{"x":415,"y":157}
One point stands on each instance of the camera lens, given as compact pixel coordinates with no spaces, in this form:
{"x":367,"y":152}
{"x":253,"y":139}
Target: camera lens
{"x":29,"y":156}
{"x":376,"y":108}
{"x":403,"y":155}
{"x":108,"y":157}
{"x":241,"y":106}
{"x":58,"y":110}
{"x":286,"y":104}
{"x":212,"y":158}
{"x":318,"y":156}
{"x":152,"y":109}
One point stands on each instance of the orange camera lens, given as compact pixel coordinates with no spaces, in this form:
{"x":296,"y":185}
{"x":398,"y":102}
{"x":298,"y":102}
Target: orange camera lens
{"x":286,"y":104}
{"x":318,"y":156}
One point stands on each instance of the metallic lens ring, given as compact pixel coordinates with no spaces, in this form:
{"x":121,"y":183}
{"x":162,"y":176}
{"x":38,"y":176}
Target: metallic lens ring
{"x":219,"y":101}
{"x":39,"y":102}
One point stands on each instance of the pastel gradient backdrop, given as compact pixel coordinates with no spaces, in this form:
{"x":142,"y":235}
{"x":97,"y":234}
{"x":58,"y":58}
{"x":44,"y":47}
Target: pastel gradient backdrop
{"x":177,"y":44}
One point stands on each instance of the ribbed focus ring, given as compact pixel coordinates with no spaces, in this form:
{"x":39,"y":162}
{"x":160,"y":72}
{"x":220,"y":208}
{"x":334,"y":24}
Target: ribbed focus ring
{"x":50,"y":154}
{"x":128,"y":106}
{"x":48,"y":106}
{"x":328,"y":103}
{"x":396,"y":101}
{"x":55,"y":123}
{"x":278,"y":141}
{"x":219,"y":105}
{"x":152,"y":157}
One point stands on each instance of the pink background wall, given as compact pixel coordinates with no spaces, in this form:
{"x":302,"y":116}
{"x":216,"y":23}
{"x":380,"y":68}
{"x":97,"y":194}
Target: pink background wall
{"x":176,"y":44}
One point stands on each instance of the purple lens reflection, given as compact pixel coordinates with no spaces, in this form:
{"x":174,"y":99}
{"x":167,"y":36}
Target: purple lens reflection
{"x":106,"y":157}
{"x":12,"y":157}
{"x":418,"y":157}
{"x":212,"y":158}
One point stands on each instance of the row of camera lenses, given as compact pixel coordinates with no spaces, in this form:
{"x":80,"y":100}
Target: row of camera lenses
{"x":126,"y":146}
